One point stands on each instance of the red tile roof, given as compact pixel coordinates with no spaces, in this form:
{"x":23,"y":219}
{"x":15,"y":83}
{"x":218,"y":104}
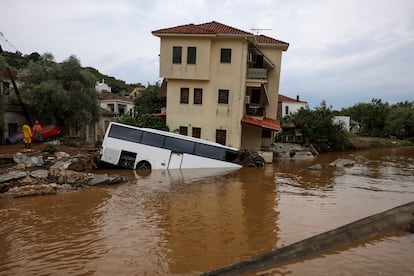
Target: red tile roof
{"x":212,"y":28}
{"x":268,"y":123}
{"x":283,"y":98}
{"x":262,"y":39}
{"x":110,"y":96}
{"x":216,"y":28}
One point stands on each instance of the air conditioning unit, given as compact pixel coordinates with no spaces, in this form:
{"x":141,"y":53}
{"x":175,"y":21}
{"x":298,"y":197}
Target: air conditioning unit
{"x":247,"y":99}
{"x":249,"y":57}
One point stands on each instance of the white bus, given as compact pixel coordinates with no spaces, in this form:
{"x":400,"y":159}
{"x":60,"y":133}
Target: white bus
{"x":145,"y":149}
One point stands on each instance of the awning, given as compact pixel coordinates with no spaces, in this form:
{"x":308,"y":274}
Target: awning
{"x":267,"y":94}
{"x":267,"y":123}
{"x":265,"y":58}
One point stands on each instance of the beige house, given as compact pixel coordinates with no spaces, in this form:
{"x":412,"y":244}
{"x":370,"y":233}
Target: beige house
{"x":222,"y":83}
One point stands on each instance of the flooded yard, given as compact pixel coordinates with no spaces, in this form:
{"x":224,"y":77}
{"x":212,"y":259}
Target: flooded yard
{"x":192,"y":221}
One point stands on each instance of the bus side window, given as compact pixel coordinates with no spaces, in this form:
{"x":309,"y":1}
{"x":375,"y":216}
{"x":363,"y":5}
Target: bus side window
{"x":179,"y":145}
{"x":209,"y":151}
{"x":125,"y":133}
{"x":152,"y":139}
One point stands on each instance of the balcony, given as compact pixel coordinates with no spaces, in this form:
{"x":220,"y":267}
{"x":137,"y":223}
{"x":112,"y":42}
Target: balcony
{"x":257,"y":73}
{"x":255,"y":110}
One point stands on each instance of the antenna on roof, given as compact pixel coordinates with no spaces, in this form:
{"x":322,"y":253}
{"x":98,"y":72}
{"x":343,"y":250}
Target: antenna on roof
{"x":258,"y":30}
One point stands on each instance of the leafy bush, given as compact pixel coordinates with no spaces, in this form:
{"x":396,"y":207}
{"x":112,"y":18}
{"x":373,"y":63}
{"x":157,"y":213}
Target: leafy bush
{"x":50,"y":148}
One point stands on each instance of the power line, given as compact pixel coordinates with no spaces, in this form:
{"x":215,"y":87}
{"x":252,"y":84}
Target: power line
{"x":5,"y":39}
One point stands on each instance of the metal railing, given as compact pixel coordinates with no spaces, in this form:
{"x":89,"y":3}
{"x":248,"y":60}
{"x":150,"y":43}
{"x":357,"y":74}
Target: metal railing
{"x":256,"y":73}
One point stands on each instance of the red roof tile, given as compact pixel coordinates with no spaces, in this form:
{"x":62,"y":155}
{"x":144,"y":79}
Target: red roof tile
{"x":110,"y":96}
{"x":212,"y":27}
{"x":283,"y":98}
{"x":268,"y":123}
{"x":262,"y":39}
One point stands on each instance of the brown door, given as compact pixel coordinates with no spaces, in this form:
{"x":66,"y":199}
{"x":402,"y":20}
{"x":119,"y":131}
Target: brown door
{"x":221,"y":136}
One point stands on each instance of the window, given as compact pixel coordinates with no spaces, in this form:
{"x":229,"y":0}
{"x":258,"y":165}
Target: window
{"x":179,"y":145}
{"x":266,"y":133}
{"x":287,"y":110}
{"x":121,"y":109}
{"x":183,"y":130}
{"x":152,"y":139}
{"x":125,"y":133}
{"x":223,"y":96}
{"x":255,"y":98}
{"x":221,"y":136}
{"x":177,"y":53}
{"x":191,"y":55}
{"x":198,"y":96}
{"x":12,"y":128}
{"x":209,"y":151}
{"x":184,"y":94}
{"x":196,"y":132}
{"x":225,"y":56}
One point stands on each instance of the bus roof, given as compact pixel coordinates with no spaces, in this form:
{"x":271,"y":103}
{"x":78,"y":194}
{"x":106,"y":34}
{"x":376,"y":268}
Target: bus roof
{"x":176,"y":135}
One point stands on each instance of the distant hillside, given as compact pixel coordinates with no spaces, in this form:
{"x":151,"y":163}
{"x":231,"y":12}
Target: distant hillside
{"x":19,"y":61}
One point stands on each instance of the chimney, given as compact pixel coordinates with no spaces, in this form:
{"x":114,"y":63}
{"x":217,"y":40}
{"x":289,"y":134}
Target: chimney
{"x":297,"y":98}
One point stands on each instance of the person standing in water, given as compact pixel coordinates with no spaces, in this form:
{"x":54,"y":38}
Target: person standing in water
{"x":27,"y":136}
{"x":37,"y":132}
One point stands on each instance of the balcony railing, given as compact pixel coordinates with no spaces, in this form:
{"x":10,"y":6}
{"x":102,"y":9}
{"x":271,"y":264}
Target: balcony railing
{"x":257,"y":73}
{"x":255,"y":110}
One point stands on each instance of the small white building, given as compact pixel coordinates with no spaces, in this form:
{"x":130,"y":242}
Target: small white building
{"x":119,"y":105}
{"x":102,"y":86}
{"x":287,"y":106}
{"x":344,"y":121}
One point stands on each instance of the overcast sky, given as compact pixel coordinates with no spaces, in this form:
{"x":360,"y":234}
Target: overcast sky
{"x":341,"y":51}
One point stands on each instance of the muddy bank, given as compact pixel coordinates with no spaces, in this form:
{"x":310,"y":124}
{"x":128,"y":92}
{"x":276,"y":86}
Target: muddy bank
{"x":35,"y":172}
{"x":358,"y":143}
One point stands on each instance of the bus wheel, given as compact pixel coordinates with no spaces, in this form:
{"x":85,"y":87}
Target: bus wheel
{"x":143,"y":168}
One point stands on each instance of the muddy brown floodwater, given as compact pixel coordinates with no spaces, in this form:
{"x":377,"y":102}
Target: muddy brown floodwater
{"x":188,"y":222}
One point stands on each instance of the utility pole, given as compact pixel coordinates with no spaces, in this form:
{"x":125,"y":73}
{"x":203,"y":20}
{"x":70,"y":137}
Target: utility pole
{"x":9,"y":73}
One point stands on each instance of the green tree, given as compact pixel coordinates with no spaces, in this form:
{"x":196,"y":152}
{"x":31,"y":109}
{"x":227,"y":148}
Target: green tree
{"x":372,"y":116}
{"x":148,"y":101}
{"x":400,"y":120}
{"x":61,"y":92}
{"x":319,"y":129}
{"x":152,"y":122}
{"x":127,"y":120}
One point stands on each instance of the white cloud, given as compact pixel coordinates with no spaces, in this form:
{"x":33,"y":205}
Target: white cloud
{"x":340,"y":51}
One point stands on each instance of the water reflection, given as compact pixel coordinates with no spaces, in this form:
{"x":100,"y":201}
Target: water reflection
{"x":215,"y":220}
{"x":186,"y":222}
{"x":42,"y":233}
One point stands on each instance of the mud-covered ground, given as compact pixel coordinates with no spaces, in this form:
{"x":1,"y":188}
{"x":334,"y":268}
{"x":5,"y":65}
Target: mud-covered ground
{"x":12,"y":149}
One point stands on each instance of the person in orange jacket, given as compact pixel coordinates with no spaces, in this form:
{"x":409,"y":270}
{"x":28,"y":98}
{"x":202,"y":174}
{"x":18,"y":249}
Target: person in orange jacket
{"x":37,"y":134}
{"x":27,"y":136}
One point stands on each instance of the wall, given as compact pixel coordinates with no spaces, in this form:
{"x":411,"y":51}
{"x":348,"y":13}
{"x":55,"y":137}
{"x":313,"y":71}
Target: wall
{"x":275,"y":55}
{"x":293,"y":107}
{"x":198,"y":71}
{"x":210,"y":115}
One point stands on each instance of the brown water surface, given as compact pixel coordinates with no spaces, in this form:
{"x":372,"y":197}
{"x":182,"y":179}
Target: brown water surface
{"x":188,"y":222}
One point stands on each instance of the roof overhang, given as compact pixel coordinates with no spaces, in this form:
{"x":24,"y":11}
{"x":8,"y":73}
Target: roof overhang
{"x":264,"y":122}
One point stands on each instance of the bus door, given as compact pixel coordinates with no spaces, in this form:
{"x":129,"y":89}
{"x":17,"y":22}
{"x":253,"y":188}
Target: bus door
{"x":176,"y":158}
